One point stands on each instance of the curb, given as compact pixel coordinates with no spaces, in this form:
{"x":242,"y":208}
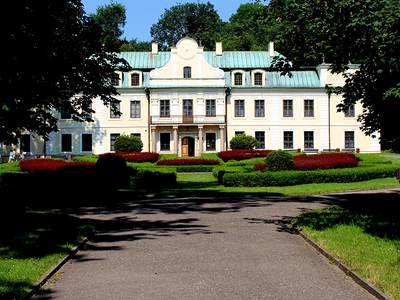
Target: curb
{"x":54,"y":270}
{"x":353,"y":275}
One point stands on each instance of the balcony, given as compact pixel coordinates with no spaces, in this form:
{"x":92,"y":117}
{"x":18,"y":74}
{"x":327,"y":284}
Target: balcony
{"x":180,"y":119}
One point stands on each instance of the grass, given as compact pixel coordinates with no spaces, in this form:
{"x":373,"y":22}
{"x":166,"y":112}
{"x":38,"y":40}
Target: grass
{"x":366,"y":240}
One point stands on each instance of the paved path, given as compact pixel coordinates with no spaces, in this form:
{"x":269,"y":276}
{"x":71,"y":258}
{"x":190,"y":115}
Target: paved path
{"x":195,"y":248}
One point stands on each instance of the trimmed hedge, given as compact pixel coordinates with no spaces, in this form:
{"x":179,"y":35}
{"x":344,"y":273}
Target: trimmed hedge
{"x":288,"y":178}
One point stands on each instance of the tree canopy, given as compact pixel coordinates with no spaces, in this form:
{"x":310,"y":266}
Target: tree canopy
{"x":199,"y":21}
{"x":56,"y":62}
{"x":341,"y":32}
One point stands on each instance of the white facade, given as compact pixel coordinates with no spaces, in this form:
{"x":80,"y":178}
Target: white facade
{"x":188,"y":102}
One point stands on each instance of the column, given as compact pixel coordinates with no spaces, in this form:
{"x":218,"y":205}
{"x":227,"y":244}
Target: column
{"x":175,"y":139}
{"x":222,"y":138}
{"x":200,"y":140}
{"x":153,"y":139}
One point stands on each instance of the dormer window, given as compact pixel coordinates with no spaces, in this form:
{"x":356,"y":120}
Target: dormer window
{"x":134,"y":79}
{"x":238,"y":79}
{"x":187,"y":72}
{"x":258,"y":77}
{"x":115,"y":79}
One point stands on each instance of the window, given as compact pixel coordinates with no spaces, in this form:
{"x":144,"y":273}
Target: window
{"x":115,"y":79}
{"x":288,"y":140}
{"x":239,"y":132}
{"x":135,"y":79}
{"x":349,"y":139}
{"x":210,"y":108}
{"x":65,"y":114}
{"x":164,"y":141}
{"x":260,"y":137}
{"x":164,"y":108}
{"x":258,"y":79}
{"x":25,"y":141}
{"x":238,"y":79}
{"x":308,"y":139}
{"x":309,"y":108}
{"x":135,"y":109}
{"x":259,"y":108}
{"x":349,"y":111}
{"x":239,"y":108}
{"x":187,"y":72}
{"x":136,"y":134}
{"x":66,"y":142}
{"x":87,"y":142}
{"x":288,"y":108}
{"x":115,"y":114}
{"x":113,"y":137}
{"x":187,"y":107}
{"x":210,"y":141}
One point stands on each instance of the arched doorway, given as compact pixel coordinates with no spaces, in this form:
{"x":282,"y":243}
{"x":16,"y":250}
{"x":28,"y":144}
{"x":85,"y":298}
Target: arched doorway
{"x":188,"y":146}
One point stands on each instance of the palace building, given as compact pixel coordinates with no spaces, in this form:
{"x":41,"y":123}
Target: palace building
{"x":188,"y":101}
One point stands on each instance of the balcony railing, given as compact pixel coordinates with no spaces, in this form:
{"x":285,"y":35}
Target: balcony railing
{"x":180,"y":119}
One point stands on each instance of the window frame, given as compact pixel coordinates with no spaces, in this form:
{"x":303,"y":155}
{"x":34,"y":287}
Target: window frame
{"x":187,"y":72}
{"x":66,"y":142}
{"x":210,"y":108}
{"x":211,"y":146}
{"x":288,"y":108}
{"x":240,"y":108}
{"x":113,"y":115}
{"x":260,"y":137}
{"x":85,"y":143}
{"x":350,"y":111}
{"x":164,"y":146}
{"x":257,"y":108}
{"x":288,"y":137}
{"x":135,"y":109}
{"x":113,"y":137}
{"x":308,"y":139}
{"x":349,"y":139}
{"x":165,"y":108}
{"x":309,"y":108}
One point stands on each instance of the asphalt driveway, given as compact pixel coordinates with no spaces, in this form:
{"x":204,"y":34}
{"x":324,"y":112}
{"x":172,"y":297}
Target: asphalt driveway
{"x":204,"y":248}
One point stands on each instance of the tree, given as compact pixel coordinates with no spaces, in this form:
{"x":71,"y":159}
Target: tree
{"x":56,"y":62}
{"x":341,"y":32}
{"x":111,"y":19}
{"x":135,"y":46}
{"x":128,"y":143}
{"x":200,"y":21}
{"x":243,"y":142}
{"x":247,"y":29}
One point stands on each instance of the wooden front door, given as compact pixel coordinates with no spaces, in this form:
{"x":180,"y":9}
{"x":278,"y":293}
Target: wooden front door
{"x":185,"y":146}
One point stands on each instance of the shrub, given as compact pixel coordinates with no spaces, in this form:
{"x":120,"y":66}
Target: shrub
{"x":128,"y":143}
{"x":243,"y":141}
{"x":279,"y":160}
{"x":188,"y":161}
{"x":242,"y":154}
{"x":112,"y":171}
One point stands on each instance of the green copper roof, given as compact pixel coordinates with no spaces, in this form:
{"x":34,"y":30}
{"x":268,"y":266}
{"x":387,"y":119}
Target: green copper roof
{"x":228,"y":61}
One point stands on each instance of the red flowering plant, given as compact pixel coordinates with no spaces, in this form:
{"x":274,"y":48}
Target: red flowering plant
{"x":325,"y":161}
{"x":137,"y":156}
{"x":188,"y":161}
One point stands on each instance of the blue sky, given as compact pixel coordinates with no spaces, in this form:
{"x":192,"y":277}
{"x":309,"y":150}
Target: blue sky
{"x":142,"y":14}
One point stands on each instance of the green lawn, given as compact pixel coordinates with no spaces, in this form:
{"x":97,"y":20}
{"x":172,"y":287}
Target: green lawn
{"x":366,"y":240}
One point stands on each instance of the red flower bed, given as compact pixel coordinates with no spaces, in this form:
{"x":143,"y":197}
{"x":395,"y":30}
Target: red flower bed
{"x":137,"y":156}
{"x":242,"y":154}
{"x":325,"y":161}
{"x":320,"y":161}
{"x":48,"y":165}
{"x":188,"y":161}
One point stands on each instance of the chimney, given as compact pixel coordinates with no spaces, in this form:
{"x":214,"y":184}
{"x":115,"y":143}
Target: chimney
{"x":271,"y":49}
{"x":154,"y":47}
{"x":218,"y":48}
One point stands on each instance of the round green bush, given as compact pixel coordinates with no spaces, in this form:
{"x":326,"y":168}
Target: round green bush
{"x":279,"y":160}
{"x":112,"y":171}
{"x":243,"y":142}
{"x":128,"y":143}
